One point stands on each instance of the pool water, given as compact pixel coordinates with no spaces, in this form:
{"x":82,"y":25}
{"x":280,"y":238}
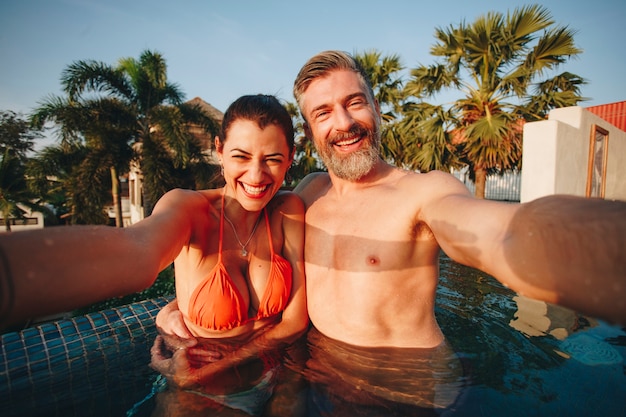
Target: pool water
{"x":519,"y":357}
{"x":528,"y":357}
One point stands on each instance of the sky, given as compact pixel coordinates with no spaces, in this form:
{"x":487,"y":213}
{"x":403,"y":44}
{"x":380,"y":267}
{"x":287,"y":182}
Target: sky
{"x":220,"y":50}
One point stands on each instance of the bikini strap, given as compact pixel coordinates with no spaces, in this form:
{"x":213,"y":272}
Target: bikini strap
{"x":269,"y":230}
{"x":219,"y":251}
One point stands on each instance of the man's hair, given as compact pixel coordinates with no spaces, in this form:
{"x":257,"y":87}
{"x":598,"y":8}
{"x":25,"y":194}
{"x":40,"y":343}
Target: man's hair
{"x":324,"y":63}
{"x":262,"y":109}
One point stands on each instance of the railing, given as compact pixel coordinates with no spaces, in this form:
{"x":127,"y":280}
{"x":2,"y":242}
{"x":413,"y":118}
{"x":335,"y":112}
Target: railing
{"x":505,"y":187}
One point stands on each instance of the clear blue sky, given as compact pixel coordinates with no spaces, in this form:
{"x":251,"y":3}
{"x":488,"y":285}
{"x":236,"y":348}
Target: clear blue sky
{"x":219,"y":50}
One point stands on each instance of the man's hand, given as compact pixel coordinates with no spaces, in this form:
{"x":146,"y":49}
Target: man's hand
{"x":185,"y":367}
{"x":170,"y":321}
{"x":175,"y":366}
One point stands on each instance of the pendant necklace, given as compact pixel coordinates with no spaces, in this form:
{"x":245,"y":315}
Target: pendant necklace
{"x":244,"y":251}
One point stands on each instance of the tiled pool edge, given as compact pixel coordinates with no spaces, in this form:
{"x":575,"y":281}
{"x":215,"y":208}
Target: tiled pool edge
{"x":69,"y":367}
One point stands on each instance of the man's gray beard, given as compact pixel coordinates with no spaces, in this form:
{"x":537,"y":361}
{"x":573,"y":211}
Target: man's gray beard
{"x":355,"y":165}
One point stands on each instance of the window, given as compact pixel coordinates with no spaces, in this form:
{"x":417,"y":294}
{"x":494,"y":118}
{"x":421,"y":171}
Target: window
{"x":598,"y":155}
{"x":131,"y":191}
{"x":26,"y":221}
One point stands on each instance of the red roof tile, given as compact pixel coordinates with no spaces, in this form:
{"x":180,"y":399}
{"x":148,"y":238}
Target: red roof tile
{"x":614,"y":113}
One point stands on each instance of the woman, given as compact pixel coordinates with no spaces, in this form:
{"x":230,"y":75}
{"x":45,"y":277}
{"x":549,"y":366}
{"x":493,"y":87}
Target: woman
{"x":239,"y":272}
{"x":237,"y":253}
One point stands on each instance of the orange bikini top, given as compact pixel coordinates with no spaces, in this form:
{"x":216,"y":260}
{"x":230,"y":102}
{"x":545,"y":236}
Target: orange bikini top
{"x":216,"y":303}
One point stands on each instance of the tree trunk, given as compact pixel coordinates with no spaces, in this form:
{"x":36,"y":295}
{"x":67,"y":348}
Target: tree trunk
{"x":116,"y":193}
{"x":480,"y":180}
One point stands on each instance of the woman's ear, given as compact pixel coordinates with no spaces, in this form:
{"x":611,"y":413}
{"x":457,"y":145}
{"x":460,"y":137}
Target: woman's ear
{"x":219,"y":149}
{"x":219,"y":146}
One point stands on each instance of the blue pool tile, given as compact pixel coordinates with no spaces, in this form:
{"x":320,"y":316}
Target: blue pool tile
{"x":90,"y":340}
{"x":38,"y":367}
{"x":10,"y":338}
{"x":57,"y":351}
{"x":51,"y":334}
{"x":31,"y":335}
{"x":14,"y":346}
{"x":57,"y":341}
{"x":111,"y":315}
{"x":98,"y":321}
{"x":74,"y":345}
{"x":37,"y":354}
{"x":15,"y":354}
{"x":68,"y":329}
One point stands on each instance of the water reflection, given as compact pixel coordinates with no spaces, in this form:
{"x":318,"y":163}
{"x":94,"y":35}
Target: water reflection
{"x":519,"y":357}
{"x":537,"y":318}
{"x":506,"y":355}
{"x":527,"y":357}
{"x":347,"y":380}
{"x":241,"y":390}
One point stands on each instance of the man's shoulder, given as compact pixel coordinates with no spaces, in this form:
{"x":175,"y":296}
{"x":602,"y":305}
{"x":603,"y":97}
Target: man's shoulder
{"x":437,"y":180}
{"x":312,"y":179}
{"x":286,"y":199}
{"x":312,"y":185}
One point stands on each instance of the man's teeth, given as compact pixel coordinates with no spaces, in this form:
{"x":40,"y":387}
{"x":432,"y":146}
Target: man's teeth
{"x":349,"y":141}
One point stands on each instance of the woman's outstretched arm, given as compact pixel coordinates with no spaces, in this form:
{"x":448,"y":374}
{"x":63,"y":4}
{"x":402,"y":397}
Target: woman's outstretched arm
{"x":60,"y":268}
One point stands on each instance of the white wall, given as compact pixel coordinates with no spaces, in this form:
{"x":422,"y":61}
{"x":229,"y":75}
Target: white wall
{"x":36,"y":216}
{"x":556,"y":155}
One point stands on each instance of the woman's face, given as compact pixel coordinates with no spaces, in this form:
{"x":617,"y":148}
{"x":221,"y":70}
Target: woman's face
{"x":255,"y":162}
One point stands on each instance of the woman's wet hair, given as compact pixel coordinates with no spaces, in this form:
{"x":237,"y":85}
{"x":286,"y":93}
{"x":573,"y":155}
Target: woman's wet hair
{"x":262,"y":109}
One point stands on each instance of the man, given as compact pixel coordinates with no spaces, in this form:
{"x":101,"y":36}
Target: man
{"x":374,"y":231}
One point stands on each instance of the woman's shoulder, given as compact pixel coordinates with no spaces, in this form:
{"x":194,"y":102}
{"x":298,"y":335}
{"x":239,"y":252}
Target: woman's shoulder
{"x":189,"y":199}
{"x":211,"y":195}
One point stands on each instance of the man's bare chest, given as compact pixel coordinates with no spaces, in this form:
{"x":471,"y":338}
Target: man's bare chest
{"x":365,"y":218}
{"x":363,"y":235}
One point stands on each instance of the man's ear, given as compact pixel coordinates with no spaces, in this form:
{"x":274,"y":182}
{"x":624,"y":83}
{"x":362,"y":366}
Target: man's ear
{"x":377,"y":107}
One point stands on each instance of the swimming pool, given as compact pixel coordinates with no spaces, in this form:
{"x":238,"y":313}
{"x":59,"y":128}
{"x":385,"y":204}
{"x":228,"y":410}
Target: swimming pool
{"x":521,"y":357}
{"x":94,"y":365}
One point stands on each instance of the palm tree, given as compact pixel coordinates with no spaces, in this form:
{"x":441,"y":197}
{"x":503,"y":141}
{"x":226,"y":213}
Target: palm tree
{"x":71,"y":178}
{"x":496,"y":63}
{"x":104,"y":127}
{"x":16,"y":141}
{"x":15,"y":194}
{"x":305,"y":159}
{"x":384,"y":76}
{"x":17,"y":135}
{"x":429,"y":143}
{"x":148,"y":110}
